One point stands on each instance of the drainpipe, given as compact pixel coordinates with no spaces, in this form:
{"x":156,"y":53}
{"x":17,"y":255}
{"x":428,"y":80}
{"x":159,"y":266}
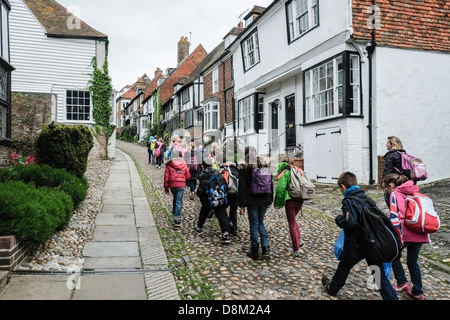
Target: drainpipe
{"x":370,"y":50}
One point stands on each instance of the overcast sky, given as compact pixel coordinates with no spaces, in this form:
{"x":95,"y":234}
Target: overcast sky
{"x":144,"y":34}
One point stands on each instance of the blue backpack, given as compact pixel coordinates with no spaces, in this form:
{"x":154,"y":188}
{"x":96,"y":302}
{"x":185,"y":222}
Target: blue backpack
{"x":217,"y":192}
{"x":261,"y":181}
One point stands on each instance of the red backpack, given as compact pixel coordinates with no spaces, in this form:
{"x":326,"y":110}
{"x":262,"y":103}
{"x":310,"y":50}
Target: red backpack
{"x":420,"y":215}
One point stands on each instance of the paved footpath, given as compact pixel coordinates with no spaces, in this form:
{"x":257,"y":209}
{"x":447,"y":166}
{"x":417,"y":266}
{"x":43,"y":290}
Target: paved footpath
{"x":125,"y":259}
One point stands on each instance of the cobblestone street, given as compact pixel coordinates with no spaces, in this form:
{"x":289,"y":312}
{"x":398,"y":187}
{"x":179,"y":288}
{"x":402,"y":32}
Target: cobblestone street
{"x":233,"y":275}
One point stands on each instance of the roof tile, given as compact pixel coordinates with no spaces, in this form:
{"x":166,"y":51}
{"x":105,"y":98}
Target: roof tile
{"x":423,"y":25}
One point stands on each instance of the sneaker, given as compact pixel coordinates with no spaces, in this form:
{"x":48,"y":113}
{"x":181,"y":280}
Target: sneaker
{"x":177,"y":223}
{"x":294,"y":253}
{"x":416,"y":297}
{"x":198,"y":230}
{"x":301,"y":242}
{"x":406,"y":287}
{"x":326,"y":284}
{"x":226,"y":238}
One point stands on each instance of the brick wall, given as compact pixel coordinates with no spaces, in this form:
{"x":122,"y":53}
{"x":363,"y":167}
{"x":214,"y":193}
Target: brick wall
{"x":228,"y":87}
{"x":12,"y":253}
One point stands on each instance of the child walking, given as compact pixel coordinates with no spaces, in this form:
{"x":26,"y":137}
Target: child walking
{"x":351,"y":254}
{"x":175,"y":176}
{"x":256,"y":204}
{"x":397,"y":187}
{"x":292,"y":207}
{"x":220,"y":212}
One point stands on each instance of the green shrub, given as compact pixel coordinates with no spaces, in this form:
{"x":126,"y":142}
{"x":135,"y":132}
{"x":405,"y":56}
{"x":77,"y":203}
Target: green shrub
{"x":65,"y":147}
{"x":46,"y":176}
{"x":32,"y":214}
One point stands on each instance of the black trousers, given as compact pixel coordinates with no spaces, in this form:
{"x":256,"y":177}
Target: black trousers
{"x":220,"y":212}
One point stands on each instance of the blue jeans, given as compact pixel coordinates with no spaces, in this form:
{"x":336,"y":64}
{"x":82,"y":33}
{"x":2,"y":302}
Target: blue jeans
{"x":177,"y":202}
{"x":412,"y":257}
{"x":192,"y":184}
{"x":257,"y":228}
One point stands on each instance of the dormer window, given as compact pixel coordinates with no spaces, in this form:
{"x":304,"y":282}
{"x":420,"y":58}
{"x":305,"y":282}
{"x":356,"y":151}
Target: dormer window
{"x":302,"y":15}
{"x":248,"y":20}
{"x":250,"y":50}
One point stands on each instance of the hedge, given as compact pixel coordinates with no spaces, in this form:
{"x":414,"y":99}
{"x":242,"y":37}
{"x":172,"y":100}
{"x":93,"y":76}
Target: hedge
{"x":46,"y":176}
{"x":32,"y":214}
{"x":65,"y":147}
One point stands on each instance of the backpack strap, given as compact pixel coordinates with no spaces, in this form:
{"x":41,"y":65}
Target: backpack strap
{"x":299,"y":169}
{"x":281,"y":174}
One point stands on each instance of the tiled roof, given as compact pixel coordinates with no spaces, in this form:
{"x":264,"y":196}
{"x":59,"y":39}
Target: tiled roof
{"x":58,"y":22}
{"x":183,"y":70}
{"x":422,"y":25}
{"x":151,"y":87}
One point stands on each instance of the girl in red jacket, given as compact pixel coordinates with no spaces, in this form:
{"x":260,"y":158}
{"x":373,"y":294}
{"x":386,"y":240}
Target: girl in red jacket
{"x":175,"y":177}
{"x":398,"y":186}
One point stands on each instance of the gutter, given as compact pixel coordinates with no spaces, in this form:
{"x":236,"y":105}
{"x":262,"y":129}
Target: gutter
{"x":370,"y":50}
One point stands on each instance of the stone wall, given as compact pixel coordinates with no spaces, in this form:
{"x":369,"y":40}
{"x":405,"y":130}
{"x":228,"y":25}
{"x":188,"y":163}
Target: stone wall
{"x":29,"y":111}
{"x":4,"y":156}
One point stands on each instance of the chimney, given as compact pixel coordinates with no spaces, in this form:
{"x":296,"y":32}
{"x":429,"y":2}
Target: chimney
{"x":158,"y":72}
{"x":183,"y":49}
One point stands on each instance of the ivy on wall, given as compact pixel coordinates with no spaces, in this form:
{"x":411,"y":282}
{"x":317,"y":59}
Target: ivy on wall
{"x":101,"y":91}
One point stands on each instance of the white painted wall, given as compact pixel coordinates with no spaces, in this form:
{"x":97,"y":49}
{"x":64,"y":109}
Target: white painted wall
{"x":47,"y":65}
{"x":412,"y":101}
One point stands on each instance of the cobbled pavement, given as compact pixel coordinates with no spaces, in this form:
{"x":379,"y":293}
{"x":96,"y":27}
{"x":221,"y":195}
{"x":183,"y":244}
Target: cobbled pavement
{"x":232,"y":275}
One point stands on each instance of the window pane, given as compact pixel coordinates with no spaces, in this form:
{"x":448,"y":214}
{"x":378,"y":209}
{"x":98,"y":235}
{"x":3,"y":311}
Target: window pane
{"x":78,"y":105}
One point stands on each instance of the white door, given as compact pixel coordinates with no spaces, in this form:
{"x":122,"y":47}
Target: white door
{"x":329,"y":154}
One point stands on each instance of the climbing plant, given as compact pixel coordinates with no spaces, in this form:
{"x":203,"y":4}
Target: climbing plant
{"x":101,"y":91}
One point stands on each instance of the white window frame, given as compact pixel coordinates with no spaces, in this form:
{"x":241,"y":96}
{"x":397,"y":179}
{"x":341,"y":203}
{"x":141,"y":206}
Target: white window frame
{"x":250,"y":51}
{"x":261,"y":114}
{"x":324,"y":89}
{"x":215,"y":80}
{"x":246,"y":114}
{"x":355,"y":83}
{"x":4,"y":32}
{"x":79,"y":105}
{"x":302,"y":15}
{"x":211,"y":117}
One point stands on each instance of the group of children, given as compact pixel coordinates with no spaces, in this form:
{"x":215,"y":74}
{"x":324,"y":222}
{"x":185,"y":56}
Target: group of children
{"x":179,"y":173}
{"x":156,"y":149}
{"x":197,"y":165}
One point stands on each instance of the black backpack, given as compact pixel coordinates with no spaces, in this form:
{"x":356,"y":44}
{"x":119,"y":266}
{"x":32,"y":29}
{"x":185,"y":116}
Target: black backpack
{"x":377,"y":239}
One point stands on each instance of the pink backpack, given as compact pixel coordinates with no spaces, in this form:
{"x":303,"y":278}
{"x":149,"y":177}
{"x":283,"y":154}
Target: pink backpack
{"x":413,"y":167}
{"x":158,"y":150}
{"x":420,"y":215}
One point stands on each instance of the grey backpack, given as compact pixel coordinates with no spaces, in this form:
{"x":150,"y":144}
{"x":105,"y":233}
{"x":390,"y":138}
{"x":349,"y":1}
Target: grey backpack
{"x":300,"y":186}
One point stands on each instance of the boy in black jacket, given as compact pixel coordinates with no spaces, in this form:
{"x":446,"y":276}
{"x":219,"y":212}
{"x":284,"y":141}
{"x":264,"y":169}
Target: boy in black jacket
{"x":351,"y":254}
{"x":220,"y":212}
